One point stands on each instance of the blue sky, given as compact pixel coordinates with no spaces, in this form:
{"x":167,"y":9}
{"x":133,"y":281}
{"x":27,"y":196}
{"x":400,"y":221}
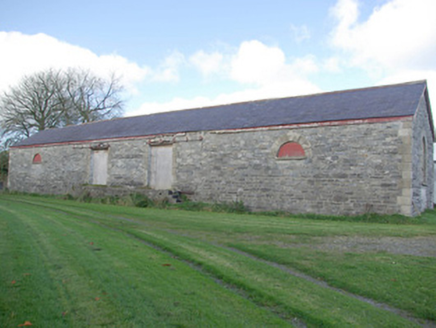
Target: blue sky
{"x":184,"y":54}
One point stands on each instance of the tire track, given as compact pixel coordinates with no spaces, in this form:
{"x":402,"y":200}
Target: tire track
{"x":297,"y":322}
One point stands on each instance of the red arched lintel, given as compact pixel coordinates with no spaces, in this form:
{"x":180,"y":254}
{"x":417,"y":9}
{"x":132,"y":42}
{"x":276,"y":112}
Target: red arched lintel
{"x":37,"y":159}
{"x":291,"y":149}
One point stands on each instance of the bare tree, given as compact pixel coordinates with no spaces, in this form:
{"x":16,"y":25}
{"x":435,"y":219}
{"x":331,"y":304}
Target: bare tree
{"x":53,"y":98}
{"x":31,"y":106}
{"x":90,"y":98}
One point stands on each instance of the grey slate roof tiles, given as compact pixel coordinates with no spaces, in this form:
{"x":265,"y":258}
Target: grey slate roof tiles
{"x":377,"y":102}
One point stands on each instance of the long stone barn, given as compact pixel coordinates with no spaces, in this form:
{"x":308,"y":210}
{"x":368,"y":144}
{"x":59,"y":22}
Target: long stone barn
{"x":347,"y":152}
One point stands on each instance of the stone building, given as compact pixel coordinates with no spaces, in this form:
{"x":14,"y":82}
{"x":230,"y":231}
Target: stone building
{"x":347,"y":152}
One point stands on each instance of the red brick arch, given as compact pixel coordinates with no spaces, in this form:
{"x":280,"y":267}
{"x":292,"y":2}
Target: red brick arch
{"x":37,"y":159}
{"x":291,"y":149}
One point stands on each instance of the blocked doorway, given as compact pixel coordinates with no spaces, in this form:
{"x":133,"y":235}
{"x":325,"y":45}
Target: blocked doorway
{"x":161,"y":167}
{"x":99,"y":167}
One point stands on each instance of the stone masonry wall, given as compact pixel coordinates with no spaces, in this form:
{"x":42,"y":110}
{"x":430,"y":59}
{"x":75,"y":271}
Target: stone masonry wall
{"x":61,"y":168}
{"x":128,"y":163}
{"x":349,"y":169}
{"x":65,"y":167}
{"x":422,"y":182}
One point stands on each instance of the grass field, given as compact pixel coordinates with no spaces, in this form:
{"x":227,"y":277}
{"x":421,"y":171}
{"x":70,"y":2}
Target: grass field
{"x":70,"y":264}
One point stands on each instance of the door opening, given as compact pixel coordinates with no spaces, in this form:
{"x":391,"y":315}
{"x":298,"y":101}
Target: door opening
{"x":161,"y":167}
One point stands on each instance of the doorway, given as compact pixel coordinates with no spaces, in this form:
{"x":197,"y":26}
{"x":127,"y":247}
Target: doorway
{"x":161,"y":167}
{"x":99,"y":167}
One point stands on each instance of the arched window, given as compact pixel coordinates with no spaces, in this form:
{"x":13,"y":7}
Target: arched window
{"x":291,"y":150}
{"x":37,"y":159}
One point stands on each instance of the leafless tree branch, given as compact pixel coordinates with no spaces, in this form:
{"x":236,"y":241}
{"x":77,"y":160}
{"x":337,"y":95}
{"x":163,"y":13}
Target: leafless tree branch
{"x":54,"y":98}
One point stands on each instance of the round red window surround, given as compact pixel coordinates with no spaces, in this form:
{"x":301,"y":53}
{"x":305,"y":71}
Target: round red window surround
{"x":291,"y":150}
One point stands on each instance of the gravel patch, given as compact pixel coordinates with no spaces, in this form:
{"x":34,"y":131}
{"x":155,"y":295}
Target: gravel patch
{"x":417,"y":246}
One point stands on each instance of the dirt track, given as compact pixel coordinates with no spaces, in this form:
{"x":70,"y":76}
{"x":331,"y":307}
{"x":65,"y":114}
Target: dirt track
{"x":417,"y":246}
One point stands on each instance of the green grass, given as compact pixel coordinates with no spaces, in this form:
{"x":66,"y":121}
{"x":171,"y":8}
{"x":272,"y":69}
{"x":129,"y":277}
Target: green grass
{"x":406,"y":282}
{"x":64,"y":280}
{"x":80,"y":264}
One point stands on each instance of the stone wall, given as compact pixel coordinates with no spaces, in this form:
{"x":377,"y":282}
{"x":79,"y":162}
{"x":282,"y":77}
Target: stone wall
{"x":422,"y":161}
{"x":128,"y":163}
{"x":61,"y":168}
{"x":348,"y":169}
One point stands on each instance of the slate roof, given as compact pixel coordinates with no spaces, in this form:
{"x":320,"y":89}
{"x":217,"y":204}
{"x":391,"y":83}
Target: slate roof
{"x":376,"y":102}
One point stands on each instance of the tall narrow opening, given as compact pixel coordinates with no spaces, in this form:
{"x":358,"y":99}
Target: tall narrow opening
{"x":99,"y":167}
{"x":161,"y":168}
{"x":424,"y":162}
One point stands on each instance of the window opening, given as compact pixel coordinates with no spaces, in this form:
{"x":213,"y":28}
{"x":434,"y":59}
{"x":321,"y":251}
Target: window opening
{"x":291,"y":150}
{"x":37,"y":159}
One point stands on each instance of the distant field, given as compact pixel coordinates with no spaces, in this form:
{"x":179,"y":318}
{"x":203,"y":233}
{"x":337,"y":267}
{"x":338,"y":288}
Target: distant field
{"x":70,"y":264}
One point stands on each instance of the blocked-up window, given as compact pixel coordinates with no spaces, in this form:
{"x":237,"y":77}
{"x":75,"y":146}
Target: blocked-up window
{"x":424,"y":162}
{"x":291,"y":150}
{"x":37,"y":159}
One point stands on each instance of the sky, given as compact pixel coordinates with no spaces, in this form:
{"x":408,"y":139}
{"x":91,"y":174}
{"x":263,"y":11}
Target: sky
{"x":174,"y":55}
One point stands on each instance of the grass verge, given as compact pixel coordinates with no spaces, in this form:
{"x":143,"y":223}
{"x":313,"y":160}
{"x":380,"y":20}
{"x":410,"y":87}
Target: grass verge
{"x":200,"y":237}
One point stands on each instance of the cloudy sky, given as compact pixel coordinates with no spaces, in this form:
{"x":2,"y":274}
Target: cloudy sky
{"x":184,"y":54}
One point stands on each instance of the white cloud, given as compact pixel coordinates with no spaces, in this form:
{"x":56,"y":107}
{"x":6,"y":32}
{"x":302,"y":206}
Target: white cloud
{"x":206,"y":63}
{"x":257,"y":63}
{"x":394,"y":44}
{"x":168,"y":71}
{"x":290,"y":89}
{"x":300,"y":33}
{"x":23,"y":54}
{"x":304,"y":65}
{"x":174,"y":104}
{"x":332,"y":65}
{"x":400,"y":33}
{"x":346,"y":12}
{"x":409,"y":75}
{"x":262,"y":70}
